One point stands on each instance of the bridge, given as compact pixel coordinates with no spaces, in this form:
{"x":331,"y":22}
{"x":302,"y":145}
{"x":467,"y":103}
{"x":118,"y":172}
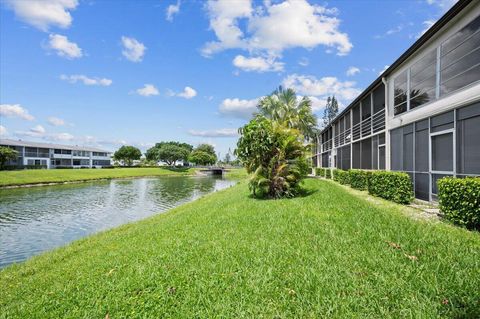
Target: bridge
{"x":213,"y":170}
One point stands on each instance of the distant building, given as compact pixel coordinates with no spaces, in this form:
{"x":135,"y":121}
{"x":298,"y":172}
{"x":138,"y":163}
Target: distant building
{"x":56,"y":155}
{"x":422,"y":115}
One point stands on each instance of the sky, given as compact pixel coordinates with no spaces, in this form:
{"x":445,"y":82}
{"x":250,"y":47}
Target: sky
{"x":108,"y":73}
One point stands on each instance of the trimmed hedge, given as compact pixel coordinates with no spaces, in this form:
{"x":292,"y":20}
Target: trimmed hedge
{"x":343,"y":177}
{"x":394,"y":186}
{"x":320,"y":171}
{"x":459,"y":200}
{"x":328,"y":173}
{"x":358,"y":179}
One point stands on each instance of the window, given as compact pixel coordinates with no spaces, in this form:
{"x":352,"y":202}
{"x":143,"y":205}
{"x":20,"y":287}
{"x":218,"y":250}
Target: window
{"x":442,"y":152}
{"x":460,"y":58}
{"x":468,"y":142}
{"x":379,"y":99}
{"x":400,"y":93}
{"x":423,"y":80}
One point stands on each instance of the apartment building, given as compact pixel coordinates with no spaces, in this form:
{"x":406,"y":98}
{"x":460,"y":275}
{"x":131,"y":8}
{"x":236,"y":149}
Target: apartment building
{"x":56,"y":155}
{"x":422,"y":115}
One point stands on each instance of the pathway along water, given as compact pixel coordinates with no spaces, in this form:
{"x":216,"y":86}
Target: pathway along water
{"x":37,"y":219}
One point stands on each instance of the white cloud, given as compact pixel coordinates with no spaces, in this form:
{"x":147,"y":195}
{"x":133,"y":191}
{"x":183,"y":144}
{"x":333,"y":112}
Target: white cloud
{"x":3,"y":131}
{"x":384,"y":69}
{"x":258,"y":64}
{"x":15,"y":110}
{"x":442,"y":4}
{"x":426,"y":25}
{"x":38,"y":129}
{"x":326,"y":86}
{"x":148,"y":90}
{"x":187,"y":93}
{"x":132,"y":49}
{"x":64,"y":47}
{"x":274,"y":27}
{"x":55,"y":121}
{"x":238,"y":108}
{"x":352,"y":71}
{"x":223,"y":132}
{"x":86,"y":80}
{"x":44,"y":13}
{"x":172,"y":10}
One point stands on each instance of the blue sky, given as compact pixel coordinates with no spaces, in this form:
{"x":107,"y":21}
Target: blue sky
{"x":107,"y":73}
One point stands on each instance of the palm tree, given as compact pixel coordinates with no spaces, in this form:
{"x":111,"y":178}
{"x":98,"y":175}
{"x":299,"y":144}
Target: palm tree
{"x":284,"y":107}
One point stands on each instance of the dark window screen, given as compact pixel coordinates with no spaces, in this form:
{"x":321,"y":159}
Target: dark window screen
{"x":421,"y":146}
{"x":442,"y":122}
{"x":408,"y":148}
{"x":375,"y":152}
{"x":421,"y":186}
{"x":396,"y":149}
{"x":468,"y":140}
{"x":381,"y":157}
{"x":346,"y":157}
{"x":356,"y":155}
{"x":379,"y":98}
{"x":366,"y":154}
{"x":442,"y":152}
{"x":356,"y":114}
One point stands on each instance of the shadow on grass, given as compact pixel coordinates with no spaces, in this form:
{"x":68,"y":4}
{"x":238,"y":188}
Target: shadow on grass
{"x":303,"y":192}
{"x":176,"y":169}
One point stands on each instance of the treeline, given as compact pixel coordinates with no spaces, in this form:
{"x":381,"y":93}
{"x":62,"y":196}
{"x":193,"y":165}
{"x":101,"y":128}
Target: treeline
{"x":171,"y":153}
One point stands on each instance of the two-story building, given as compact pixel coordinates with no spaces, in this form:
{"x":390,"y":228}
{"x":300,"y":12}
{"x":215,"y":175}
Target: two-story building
{"x":56,"y":155}
{"x":420,"y":116}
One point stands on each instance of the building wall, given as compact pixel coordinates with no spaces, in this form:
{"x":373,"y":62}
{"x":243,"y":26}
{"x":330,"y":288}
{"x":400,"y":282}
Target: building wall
{"x":431,"y":127}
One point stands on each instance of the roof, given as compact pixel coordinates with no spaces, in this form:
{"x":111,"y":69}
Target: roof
{"x":50,"y":145}
{"x":449,"y":15}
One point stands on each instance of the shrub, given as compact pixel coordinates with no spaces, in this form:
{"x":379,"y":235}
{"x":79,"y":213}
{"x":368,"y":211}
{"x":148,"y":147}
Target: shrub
{"x":343,"y":177}
{"x":460,"y":200}
{"x":328,"y":173}
{"x":394,"y":186}
{"x":335,"y":174}
{"x":320,"y":171}
{"x":358,"y":179}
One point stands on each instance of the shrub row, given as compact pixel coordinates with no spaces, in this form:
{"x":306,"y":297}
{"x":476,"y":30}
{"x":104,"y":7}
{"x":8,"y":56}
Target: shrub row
{"x":459,"y":200}
{"x":394,"y":186}
{"x":328,"y":173}
{"x":341,"y":176}
{"x":358,"y":179}
{"x":319,"y":171}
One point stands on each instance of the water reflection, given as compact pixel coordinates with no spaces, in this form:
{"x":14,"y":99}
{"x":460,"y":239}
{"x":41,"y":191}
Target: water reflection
{"x":36,"y":219}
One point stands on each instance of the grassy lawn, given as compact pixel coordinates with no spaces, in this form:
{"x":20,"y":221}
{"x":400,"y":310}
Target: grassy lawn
{"x":327,"y":254}
{"x":36,"y":176}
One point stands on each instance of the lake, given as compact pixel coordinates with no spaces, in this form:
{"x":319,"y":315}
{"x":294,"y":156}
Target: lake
{"x":37,"y":219}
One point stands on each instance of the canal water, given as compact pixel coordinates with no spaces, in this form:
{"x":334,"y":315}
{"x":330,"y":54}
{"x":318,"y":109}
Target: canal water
{"x":37,"y":219}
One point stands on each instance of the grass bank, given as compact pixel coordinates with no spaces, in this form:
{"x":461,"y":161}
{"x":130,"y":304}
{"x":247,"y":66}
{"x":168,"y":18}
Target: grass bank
{"x":40,"y":176}
{"x":327,"y":254}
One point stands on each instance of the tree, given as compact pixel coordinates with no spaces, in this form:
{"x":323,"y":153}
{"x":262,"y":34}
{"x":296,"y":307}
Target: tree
{"x":228,"y":157}
{"x":7,"y":154}
{"x":331,"y":110}
{"x":127,"y":154}
{"x":275,"y":154}
{"x":204,"y":154}
{"x":202,"y":158}
{"x":169,"y":152}
{"x":284,"y":107}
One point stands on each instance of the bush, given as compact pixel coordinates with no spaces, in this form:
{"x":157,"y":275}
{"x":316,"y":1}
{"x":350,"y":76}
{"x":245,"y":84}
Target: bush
{"x":358,"y":179}
{"x":343,"y":177}
{"x":320,"y":171}
{"x":394,"y":186}
{"x":328,"y":173}
{"x":459,"y":200}
{"x":335,"y":174}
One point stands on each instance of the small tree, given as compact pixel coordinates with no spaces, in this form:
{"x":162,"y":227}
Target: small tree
{"x":6,"y":154}
{"x":331,"y":110}
{"x":127,"y":154}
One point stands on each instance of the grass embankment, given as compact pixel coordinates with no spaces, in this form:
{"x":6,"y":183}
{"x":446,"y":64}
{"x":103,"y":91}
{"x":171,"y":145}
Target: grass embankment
{"x":39,"y":176}
{"x":328,"y":254}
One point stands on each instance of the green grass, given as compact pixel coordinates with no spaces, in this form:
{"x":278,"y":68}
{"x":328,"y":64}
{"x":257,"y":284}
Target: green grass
{"x":227,"y":255}
{"x":38,"y":176}
{"x":236,"y":173}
